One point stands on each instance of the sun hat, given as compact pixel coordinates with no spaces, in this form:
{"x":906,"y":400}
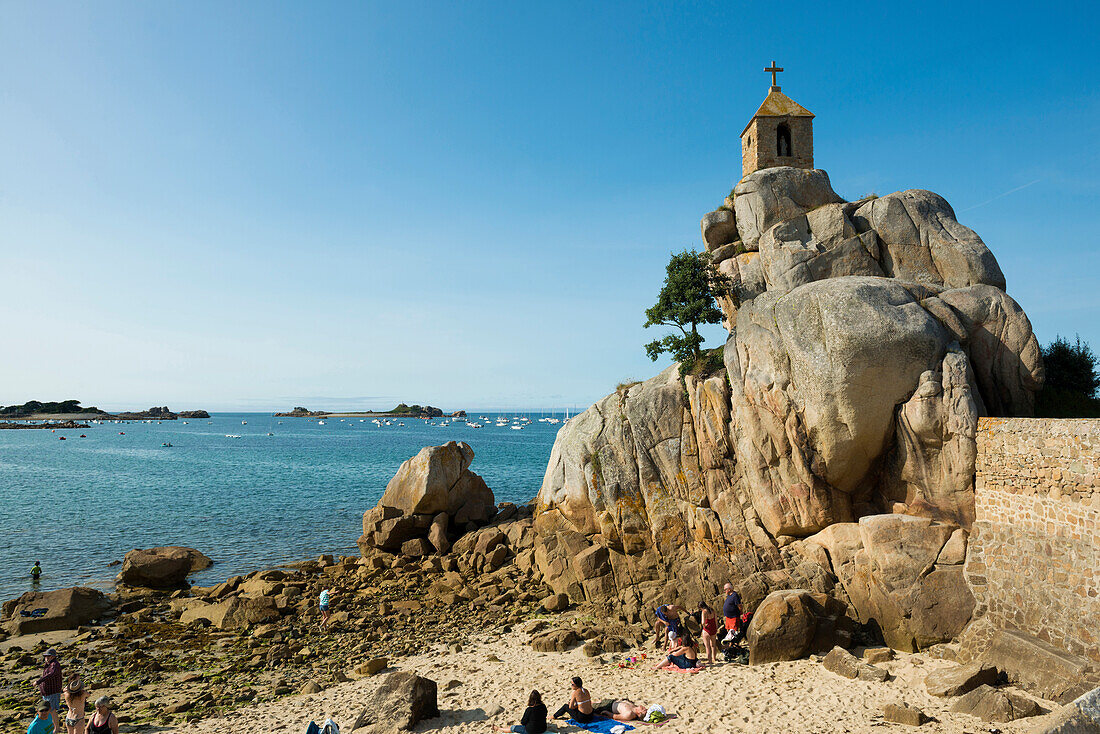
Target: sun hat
{"x":43,"y":705}
{"x":103,"y":702}
{"x":50,"y":653}
{"x":76,"y":686}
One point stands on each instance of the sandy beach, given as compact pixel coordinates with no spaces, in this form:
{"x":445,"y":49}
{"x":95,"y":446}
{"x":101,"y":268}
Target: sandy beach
{"x":799,"y":696}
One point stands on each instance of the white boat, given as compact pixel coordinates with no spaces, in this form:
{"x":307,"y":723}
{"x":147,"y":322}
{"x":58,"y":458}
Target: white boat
{"x":320,"y":423}
{"x":244,"y":423}
{"x":231,"y":435}
{"x":517,"y":428}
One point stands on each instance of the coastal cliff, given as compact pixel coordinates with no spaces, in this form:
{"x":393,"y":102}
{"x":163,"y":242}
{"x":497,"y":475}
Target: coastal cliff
{"x":865,"y":340}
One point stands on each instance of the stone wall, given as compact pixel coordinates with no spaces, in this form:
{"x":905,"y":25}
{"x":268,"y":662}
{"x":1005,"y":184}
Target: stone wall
{"x":1033,"y":562}
{"x":758,"y":145}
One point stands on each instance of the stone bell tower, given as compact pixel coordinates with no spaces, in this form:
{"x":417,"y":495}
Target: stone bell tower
{"x":781,"y":133}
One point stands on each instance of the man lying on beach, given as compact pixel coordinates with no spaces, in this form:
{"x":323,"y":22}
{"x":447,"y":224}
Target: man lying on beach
{"x":623,"y":710}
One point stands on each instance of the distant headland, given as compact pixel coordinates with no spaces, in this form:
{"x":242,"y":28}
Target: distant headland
{"x":401,"y":411}
{"x":71,"y":410}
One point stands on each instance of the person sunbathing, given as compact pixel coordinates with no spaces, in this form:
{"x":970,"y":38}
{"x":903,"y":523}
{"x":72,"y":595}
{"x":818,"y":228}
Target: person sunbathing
{"x":579,"y":707}
{"x":623,"y":710}
{"x":682,"y":656}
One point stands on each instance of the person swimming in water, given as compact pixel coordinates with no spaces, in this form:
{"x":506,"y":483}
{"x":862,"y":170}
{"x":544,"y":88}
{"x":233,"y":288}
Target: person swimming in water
{"x":36,"y":572}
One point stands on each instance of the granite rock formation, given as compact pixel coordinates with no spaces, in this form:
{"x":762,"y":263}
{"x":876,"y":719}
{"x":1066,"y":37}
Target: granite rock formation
{"x":433,"y":498}
{"x":161,"y":568}
{"x":65,"y":609}
{"x":865,"y":339}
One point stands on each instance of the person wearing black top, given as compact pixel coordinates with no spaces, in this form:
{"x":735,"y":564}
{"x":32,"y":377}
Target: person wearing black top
{"x":534,"y":717}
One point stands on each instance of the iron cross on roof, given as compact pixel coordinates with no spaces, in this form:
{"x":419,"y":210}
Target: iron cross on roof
{"x":774,"y":70}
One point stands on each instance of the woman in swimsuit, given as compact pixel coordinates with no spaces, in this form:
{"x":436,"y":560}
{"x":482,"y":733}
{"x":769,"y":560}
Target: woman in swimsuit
{"x":579,"y":707}
{"x":683,"y":656}
{"x":75,"y":697}
{"x":709,"y":620}
{"x":103,"y":721}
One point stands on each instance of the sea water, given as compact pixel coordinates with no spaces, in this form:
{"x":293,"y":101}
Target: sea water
{"x":247,"y":499}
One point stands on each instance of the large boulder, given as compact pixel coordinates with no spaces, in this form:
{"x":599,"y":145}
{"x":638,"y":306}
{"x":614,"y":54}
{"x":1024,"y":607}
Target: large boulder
{"x":235,"y":613}
{"x":899,"y":574}
{"x":792,"y":624}
{"x":923,"y":242}
{"x":432,"y":497}
{"x":771,"y":195}
{"x":990,"y":704}
{"x":161,"y":568}
{"x":438,"y":479}
{"x":402,"y":701}
{"x":64,"y":609}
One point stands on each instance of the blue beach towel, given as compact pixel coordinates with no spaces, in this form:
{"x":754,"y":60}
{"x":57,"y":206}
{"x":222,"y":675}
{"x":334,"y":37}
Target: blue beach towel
{"x":604,"y":726}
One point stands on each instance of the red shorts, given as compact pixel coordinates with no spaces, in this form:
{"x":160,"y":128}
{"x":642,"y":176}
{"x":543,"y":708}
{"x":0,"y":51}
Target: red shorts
{"x":733,"y":623}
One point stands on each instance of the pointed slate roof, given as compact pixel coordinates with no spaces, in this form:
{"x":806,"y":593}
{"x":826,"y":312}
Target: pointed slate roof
{"x":777,"y":104}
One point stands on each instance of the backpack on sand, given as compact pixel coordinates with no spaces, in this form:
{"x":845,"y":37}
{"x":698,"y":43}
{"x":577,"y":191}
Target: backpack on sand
{"x":330,"y":727}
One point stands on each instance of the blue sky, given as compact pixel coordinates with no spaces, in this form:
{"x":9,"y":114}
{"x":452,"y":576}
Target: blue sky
{"x":254,"y":205}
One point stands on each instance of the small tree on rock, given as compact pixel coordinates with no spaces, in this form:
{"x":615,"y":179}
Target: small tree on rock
{"x":687,"y":299}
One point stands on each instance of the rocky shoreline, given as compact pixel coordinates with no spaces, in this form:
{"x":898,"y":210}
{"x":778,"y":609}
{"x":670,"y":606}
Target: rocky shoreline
{"x":167,"y":657}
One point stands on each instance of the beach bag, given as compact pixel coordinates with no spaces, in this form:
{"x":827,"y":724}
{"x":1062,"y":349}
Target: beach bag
{"x":330,"y":727}
{"x":313,"y":728}
{"x":655,"y":714}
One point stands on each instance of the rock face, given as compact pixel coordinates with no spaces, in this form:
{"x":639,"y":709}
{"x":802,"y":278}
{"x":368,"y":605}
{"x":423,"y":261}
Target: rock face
{"x":865,"y":340}
{"x":433,"y":497}
{"x":161,"y":568}
{"x":65,"y":609}
{"x":901,"y":572}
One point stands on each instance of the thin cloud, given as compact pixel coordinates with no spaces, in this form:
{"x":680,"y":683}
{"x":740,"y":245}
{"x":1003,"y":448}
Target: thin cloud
{"x":1000,"y":196}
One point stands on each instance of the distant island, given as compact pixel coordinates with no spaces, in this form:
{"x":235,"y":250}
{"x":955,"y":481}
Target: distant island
{"x":401,"y":411}
{"x":71,"y":410}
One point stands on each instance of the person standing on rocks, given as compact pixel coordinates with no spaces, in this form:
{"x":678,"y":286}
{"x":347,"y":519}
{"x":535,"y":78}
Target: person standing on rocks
{"x":49,"y":685}
{"x":326,"y":597}
{"x":731,"y":610}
